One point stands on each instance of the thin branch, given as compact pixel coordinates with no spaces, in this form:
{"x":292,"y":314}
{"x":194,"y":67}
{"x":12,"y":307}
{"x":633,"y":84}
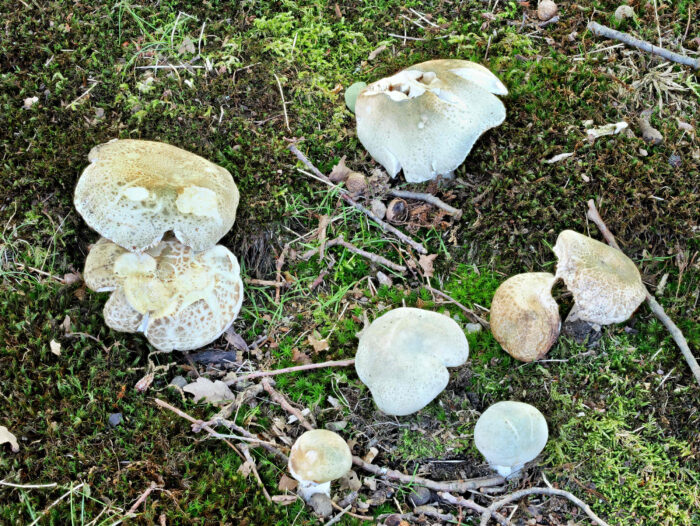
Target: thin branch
{"x":471,"y":505}
{"x":284,"y":104}
{"x":278,"y":270}
{"x":540,"y":491}
{"x":361,"y":517}
{"x":28,"y":486}
{"x":347,"y":198}
{"x":467,"y":310}
{"x":337,"y":518}
{"x":456,"y":486}
{"x":428,"y":198}
{"x":262,"y":374}
{"x":213,"y":433}
{"x":656,"y":309}
{"x":141,"y":499}
{"x":604,"y":31}
{"x":381,"y":260}
{"x":417,"y":39}
{"x":281,"y":400}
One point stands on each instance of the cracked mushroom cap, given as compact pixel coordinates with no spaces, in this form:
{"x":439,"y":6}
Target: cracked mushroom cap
{"x":133,"y":192}
{"x":319,"y":456}
{"x":606,"y":284}
{"x":509,"y":434}
{"x":180,"y":299}
{"x":524,"y":316}
{"x":403,"y":358}
{"x":426,"y":118}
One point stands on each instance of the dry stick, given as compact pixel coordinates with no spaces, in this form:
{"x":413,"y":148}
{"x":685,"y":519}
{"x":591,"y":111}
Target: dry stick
{"x":457,"y":486}
{"x":28,"y":486}
{"x":604,"y":31}
{"x":467,"y":310}
{"x":278,"y":275}
{"x":428,"y":198}
{"x":348,"y":199}
{"x":262,"y":374}
{"x":337,"y":518}
{"x":284,"y":104}
{"x":141,"y":499}
{"x":323,"y":223}
{"x":540,"y":491}
{"x":471,"y":505}
{"x":656,"y":309}
{"x":381,"y":260}
{"x":361,"y":517}
{"x":213,"y":433}
{"x":281,"y":400}
{"x":266,"y":282}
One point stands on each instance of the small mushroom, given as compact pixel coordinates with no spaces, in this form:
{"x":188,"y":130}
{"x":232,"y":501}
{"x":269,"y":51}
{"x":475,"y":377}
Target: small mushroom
{"x":403,"y":358}
{"x":178,"y":298}
{"x":356,"y":183}
{"x":524,"y":316}
{"x":425,"y":119}
{"x":318,"y":457}
{"x":396,"y":210}
{"x":509,"y":434}
{"x":546,"y":9}
{"x":650,"y":134}
{"x":133,"y":192}
{"x":351,"y":94}
{"x":606,"y":284}
{"x":623,"y":12}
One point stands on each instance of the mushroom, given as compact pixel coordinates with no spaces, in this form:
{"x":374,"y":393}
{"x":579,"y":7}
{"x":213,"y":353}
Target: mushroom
{"x":425,"y":119}
{"x":403,"y":358}
{"x":180,"y":299}
{"x":606,"y":284}
{"x":524,"y":316}
{"x":318,"y":457}
{"x":133,"y":192}
{"x":509,"y":434}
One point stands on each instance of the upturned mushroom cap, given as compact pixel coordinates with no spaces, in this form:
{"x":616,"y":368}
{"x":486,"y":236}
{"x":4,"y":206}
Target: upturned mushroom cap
{"x":133,"y":192}
{"x":319,"y":456}
{"x":426,"y":118}
{"x":524,"y":316}
{"x":403,"y":358}
{"x":606,"y":284}
{"x":509,"y":434}
{"x":178,"y":298}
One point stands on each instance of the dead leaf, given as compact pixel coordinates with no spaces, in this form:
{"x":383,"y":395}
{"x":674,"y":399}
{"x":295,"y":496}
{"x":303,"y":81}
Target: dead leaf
{"x":216,"y":393}
{"x":376,"y":52}
{"x":245,"y":468}
{"x":685,"y":126}
{"x":7,"y":437}
{"x":426,"y":263}
{"x":235,"y":340}
{"x":371,"y":455}
{"x":187,"y":46}
{"x":300,"y":357}
{"x":65,"y":324}
{"x":559,"y":157}
{"x":287,"y":484}
{"x":340,"y":172}
{"x":29,"y":102}
{"x":284,"y":500}
{"x":317,"y":342}
{"x":55,"y":347}
{"x":144,"y":383}
{"x":71,"y":277}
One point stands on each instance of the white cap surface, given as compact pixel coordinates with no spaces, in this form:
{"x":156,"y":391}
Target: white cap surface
{"x":179,"y":298}
{"x":606,"y":284}
{"x":319,"y":456}
{"x":509,"y":434}
{"x":134,"y":191}
{"x":403,"y":358}
{"x":426,"y":118}
{"x":524,"y":316}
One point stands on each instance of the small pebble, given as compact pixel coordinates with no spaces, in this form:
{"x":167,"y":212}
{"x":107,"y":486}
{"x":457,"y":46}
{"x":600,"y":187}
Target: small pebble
{"x":321,"y":504}
{"x":623,"y":12}
{"x":179,"y":381}
{"x":675,"y":160}
{"x":378,"y":208}
{"x":472,"y":328}
{"x":419,"y":496}
{"x":546,"y":9}
{"x":115,"y":419}
{"x":384,"y":279}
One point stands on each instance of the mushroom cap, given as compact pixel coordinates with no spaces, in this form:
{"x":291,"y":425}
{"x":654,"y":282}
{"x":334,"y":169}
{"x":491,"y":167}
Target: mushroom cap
{"x":319,"y":456}
{"x":180,"y":299}
{"x":509,"y":434}
{"x":524,"y":316}
{"x":134,"y":191}
{"x":606,"y":284}
{"x":403,"y":358}
{"x":426,"y":118}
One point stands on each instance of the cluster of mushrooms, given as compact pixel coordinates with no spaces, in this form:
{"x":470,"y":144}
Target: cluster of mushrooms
{"x":160,"y":211}
{"x":606,"y":286}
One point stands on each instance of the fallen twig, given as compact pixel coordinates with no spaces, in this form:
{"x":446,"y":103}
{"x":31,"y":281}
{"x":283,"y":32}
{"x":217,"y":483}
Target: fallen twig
{"x":28,"y":486}
{"x":604,"y":31}
{"x":475,"y":317}
{"x":213,"y":433}
{"x":488,"y":512}
{"x":340,"y":240}
{"x":337,"y":518}
{"x":281,"y":400}
{"x":471,"y":505}
{"x":345,"y":195}
{"x":266,"y":282}
{"x":457,"y":486}
{"x":284,"y":104}
{"x":141,"y":499}
{"x":361,"y":517}
{"x":262,"y":374}
{"x":278,"y":269}
{"x":656,"y":309}
{"x":428,"y":198}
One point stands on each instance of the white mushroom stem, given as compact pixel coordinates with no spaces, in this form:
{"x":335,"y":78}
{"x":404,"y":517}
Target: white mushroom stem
{"x":308,"y":488}
{"x":657,"y":309}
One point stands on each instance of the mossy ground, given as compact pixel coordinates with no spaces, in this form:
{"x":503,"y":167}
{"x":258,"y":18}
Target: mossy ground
{"x":623,"y":419}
